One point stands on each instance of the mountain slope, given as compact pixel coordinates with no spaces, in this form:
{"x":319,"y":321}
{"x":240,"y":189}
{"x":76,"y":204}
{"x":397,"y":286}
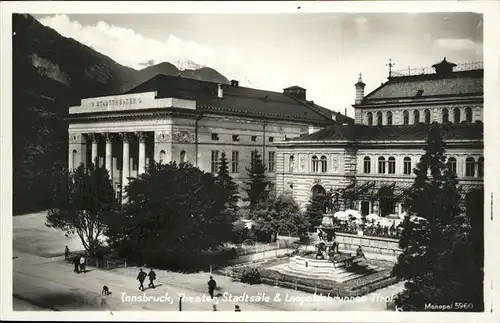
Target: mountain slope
{"x":51,"y":73}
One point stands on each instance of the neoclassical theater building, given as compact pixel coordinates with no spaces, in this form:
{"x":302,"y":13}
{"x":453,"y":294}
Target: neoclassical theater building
{"x":169,"y":118}
{"x":376,"y":154}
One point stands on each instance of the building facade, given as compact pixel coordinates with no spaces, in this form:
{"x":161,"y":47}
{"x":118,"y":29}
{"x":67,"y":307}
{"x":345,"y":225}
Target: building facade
{"x":169,"y":118}
{"x":374,"y":158}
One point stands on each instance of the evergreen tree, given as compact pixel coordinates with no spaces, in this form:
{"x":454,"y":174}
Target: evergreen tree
{"x":315,"y":210}
{"x":437,"y":259}
{"x":257,"y":183}
{"x":230,"y":187}
{"x":84,"y":202}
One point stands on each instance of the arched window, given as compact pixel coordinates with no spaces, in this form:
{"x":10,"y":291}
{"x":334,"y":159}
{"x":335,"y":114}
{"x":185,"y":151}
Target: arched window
{"x":183,"y":156}
{"x":407,"y":165}
{"x":445,"y":115}
{"x":163,"y":157}
{"x":480,"y":167}
{"x":456,"y":115}
{"x":468,"y":114}
{"x":427,"y":116}
{"x":406,"y":117}
{"x":389,"y":117}
{"x":324,"y":164}
{"x":381,"y":165}
{"x":315,"y":167}
{"x":379,"y":118}
{"x":73,"y":159}
{"x":416,"y":117}
{"x":369,"y":117}
{"x":452,"y":164}
{"x":392,"y":165}
{"x":469,"y":167}
{"x":366,"y":165}
{"x":291,"y":164}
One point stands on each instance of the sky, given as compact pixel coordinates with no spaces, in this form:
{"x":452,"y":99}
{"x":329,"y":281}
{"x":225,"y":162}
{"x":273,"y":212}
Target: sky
{"x":321,"y":52}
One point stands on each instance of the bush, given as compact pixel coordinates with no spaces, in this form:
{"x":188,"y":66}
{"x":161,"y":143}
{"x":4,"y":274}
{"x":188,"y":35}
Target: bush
{"x":251,"y":276}
{"x":305,"y":239}
{"x":249,"y":242}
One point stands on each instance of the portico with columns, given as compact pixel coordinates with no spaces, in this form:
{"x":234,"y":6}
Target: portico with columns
{"x":99,"y":133}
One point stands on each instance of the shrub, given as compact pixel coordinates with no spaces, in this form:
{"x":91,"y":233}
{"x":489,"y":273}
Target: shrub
{"x":251,"y":276}
{"x":249,"y":242}
{"x":305,"y":239}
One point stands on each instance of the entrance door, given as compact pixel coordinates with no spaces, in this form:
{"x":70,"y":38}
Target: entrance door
{"x":365,"y":207}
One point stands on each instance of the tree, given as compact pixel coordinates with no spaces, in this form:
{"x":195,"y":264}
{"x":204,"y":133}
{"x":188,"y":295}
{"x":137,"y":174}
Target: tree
{"x":230,"y":187}
{"x":257,"y":183}
{"x":174,"y":209}
{"x":437,"y":258}
{"x":83,"y":202}
{"x":280,"y":215}
{"x":315,"y":210}
{"x":474,"y":204}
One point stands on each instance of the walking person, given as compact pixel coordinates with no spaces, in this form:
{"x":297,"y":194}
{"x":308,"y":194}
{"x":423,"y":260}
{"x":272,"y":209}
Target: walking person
{"x":76,"y":262}
{"x":152,"y":277}
{"x":141,"y":277}
{"x":82,"y":264}
{"x":66,"y":253}
{"x":211,"y":287}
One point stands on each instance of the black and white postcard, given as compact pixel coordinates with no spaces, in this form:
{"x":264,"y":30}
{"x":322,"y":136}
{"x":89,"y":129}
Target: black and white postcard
{"x":298,"y":161}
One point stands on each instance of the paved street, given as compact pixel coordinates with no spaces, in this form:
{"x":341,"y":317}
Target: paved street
{"x":51,"y":284}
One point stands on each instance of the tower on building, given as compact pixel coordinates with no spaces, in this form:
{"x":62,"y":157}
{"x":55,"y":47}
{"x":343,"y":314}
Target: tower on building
{"x":360,"y":90}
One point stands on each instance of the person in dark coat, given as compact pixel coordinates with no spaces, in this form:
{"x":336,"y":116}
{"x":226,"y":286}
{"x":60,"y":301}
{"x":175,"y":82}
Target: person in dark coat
{"x":66,"y":253}
{"x":141,"y":277}
{"x":237,"y":308}
{"x":76,"y":262}
{"x":211,"y":287}
{"x":152,"y":277}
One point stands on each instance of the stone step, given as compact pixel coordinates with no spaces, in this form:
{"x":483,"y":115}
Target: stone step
{"x":339,"y":275}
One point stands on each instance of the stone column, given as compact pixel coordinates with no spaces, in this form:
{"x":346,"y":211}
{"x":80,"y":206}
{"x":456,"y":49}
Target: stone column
{"x":125,"y":166}
{"x":109,"y":155}
{"x":141,"y":164}
{"x":70,"y":160}
{"x":94,"y":160}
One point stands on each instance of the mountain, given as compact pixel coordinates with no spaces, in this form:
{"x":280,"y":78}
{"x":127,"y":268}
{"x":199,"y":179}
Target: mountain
{"x":51,"y":73}
{"x":203,"y":74}
{"x":187,"y":65}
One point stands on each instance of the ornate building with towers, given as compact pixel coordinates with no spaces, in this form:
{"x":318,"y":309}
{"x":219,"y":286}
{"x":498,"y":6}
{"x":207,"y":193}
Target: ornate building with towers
{"x":169,"y":118}
{"x":372,"y":160}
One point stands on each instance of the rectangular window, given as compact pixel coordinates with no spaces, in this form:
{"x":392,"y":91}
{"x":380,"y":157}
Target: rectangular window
{"x":253,"y":158}
{"x":381,"y":166}
{"x":392,"y":165}
{"x":236,"y":138}
{"x":271,"y":162}
{"x":407,"y":166}
{"x":254,"y":138}
{"x":366,"y":165}
{"x":214,"y":161}
{"x":215,"y":136}
{"x":271,"y":139}
{"x":235,"y":155}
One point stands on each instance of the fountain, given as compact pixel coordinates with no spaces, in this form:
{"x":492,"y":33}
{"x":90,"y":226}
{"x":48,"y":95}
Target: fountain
{"x":326,"y":262}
